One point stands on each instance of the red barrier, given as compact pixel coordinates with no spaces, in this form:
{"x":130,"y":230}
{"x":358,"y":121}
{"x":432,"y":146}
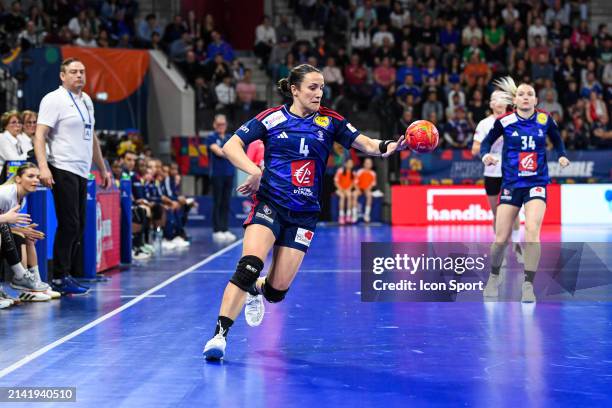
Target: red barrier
{"x":436,"y":205}
{"x":108,"y":230}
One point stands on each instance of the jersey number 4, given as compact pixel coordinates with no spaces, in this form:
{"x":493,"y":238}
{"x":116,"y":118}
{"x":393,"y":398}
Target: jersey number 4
{"x":527,"y":142}
{"x":304,"y":147}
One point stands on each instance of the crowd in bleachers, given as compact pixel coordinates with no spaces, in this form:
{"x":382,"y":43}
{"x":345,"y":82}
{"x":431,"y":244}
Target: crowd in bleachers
{"x":435,"y":60}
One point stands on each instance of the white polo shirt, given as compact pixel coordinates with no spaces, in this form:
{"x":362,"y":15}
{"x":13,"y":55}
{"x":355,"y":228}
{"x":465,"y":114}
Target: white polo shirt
{"x":70,"y":146}
{"x":8,"y":197}
{"x":13,"y":148}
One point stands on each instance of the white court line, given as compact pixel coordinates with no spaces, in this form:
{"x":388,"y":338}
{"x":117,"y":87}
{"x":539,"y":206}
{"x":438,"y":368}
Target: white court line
{"x":4,"y":372}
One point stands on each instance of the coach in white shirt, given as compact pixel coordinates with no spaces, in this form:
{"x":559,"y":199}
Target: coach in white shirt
{"x":66,"y":122}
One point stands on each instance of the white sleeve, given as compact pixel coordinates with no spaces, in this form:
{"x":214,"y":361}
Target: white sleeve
{"x":481,"y":132}
{"x":48,"y":113}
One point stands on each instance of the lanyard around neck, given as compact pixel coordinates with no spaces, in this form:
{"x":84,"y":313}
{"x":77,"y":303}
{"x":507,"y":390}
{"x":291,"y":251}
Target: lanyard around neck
{"x":79,"y":110}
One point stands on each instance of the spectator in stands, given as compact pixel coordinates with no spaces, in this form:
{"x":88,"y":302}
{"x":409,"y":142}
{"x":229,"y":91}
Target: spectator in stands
{"x":578,"y":132}
{"x":542,"y":70}
{"x":278,"y":56}
{"x":333,"y":79}
{"x":284,"y":30}
{"x":174,"y":30}
{"x":596,"y":109}
{"x":103,"y":39}
{"x":246,"y":91}
{"x":14,"y":22}
{"x":384,"y":76}
{"x":191,"y":68}
{"x":589,"y":85}
{"x":409,"y":88}
{"x":432,"y":75}
{"x":581,"y":33}
{"x":13,"y":144}
{"x":367,"y":13}
{"x":386,"y":51}
{"x":192,"y":24}
{"x":473,"y":48}
{"x":458,"y":131}
{"x":226,"y":96}
{"x":179,"y":48}
{"x":477,"y":110}
{"x":265,"y":39}
{"x":550,"y":105}
{"x":538,"y":48}
{"x":432,"y":104}
{"x":509,"y":14}
{"x":222,"y":180}
{"x":30,"y":37}
{"x":218,"y":46}
{"x":602,"y":135}
{"x":537,"y":29}
{"x":216,"y":69}
{"x":470,"y":32}
{"x":449,"y":34}
{"x":78,"y":22}
{"x":409,"y":68}
{"x":286,"y":66}
{"x":495,"y":39}
{"x":40,"y":20}
{"x":476,"y":69}
{"x":146,"y":28}
{"x":382,"y":33}
{"x":207,"y":27}
{"x":85,"y":39}
{"x":399,"y":17}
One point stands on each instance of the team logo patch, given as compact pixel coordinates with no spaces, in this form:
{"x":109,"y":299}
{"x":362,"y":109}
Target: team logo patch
{"x":537,"y":192}
{"x":303,"y":236}
{"x":266,"y":209}
{"x":506,"y":194}
{"x":322,"y":121}
{"x":542,"y":118}
{"x":303,"y":173}
{"x":528,"y":161}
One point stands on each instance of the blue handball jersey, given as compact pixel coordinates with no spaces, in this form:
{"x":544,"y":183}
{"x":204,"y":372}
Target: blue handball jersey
{"x":524,"y":153}
{"x":296,"y":152}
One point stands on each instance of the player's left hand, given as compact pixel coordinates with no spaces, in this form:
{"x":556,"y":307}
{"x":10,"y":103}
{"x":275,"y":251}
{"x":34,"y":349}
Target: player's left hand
{"x":564,"y":161}
{"x":395,"y":146}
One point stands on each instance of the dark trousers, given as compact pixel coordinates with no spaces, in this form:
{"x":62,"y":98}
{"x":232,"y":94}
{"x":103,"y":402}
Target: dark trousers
{"x":221,"y":192}
{"x":70,"y":198}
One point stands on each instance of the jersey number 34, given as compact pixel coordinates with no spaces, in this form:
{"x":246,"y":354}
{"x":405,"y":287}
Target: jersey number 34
{"x":527,"y":142}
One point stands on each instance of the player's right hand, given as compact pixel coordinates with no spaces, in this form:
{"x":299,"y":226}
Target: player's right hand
{"x":250,"y":185}
{"x":13,"y":216}
{"x":489,"y":160}
{"x":46,"y":178}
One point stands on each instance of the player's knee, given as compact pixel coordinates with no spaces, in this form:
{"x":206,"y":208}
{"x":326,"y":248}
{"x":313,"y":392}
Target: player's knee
{"x":273,"y":295}
{"x":248,"y":270}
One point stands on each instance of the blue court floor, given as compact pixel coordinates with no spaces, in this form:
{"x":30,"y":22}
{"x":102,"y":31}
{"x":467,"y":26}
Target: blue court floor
{"x":136,"y":340}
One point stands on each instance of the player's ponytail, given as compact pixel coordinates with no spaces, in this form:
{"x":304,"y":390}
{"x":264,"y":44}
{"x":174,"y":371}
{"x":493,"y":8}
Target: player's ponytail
{"x":507,"y":88}
{"x":296,"y":76}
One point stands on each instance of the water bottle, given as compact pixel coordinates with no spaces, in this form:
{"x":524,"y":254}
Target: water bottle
{"x":158,"y":241}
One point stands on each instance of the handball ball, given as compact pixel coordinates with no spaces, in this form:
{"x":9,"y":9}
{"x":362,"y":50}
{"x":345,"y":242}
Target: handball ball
{"x":422,"y":136}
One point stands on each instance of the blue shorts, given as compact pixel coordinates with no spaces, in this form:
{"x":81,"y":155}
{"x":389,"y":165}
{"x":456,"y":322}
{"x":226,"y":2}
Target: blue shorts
{"x":519,"y":196}
{"x":293,"y":229}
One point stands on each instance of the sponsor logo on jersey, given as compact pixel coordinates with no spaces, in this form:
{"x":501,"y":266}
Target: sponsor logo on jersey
{"x":264,"y":217}
{"x":322,"y":121}
{"x":266,"y":209}
{"x":515,"y":133}
{"x":283,"y":135}
{"x":351,"y":127}
{"x":303,"y":173}
{"x":537,"y":192}
{"x":274,"y":119}
{"x":528,"y":161}
{"x":244,"y":129}
{"x":542,"y":118}
{"x":506,"y":194}
{"x":304,"y":236}
{"x":508,"y":120}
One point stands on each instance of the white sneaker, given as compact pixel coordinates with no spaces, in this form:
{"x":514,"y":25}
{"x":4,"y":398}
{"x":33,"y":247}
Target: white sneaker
{"x":6,"y":297}
{"x":254,"y":310}
{"x":140,"y":255}
{"x":4,"y":303}
{"x":528,"y":296}
{"x":52,"y":294}
{"x":215,"y":348}
{"x":168,"y":245}
{"x":36,"y":275}
{"x":492,"y":287}
{"x":148,"y":249}
{"x":228,"y":236}
{"x":366,"y":217}
{"x":180,"y":242}
{"x":34,"y":297}
{"x":28,"y":282}
{"x":218,"y":236}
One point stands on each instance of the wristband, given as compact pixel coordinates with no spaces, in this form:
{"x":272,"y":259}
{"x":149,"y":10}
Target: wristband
{"x":383,"y":146}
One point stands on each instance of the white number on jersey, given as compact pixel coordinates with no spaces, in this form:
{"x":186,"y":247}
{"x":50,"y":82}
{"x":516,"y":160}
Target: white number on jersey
{"x":527,"y":142}
{"x":304,"y":147}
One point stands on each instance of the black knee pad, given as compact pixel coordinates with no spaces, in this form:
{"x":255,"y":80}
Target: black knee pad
{"x":273,"y":295}
{"x":248,"y":270}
